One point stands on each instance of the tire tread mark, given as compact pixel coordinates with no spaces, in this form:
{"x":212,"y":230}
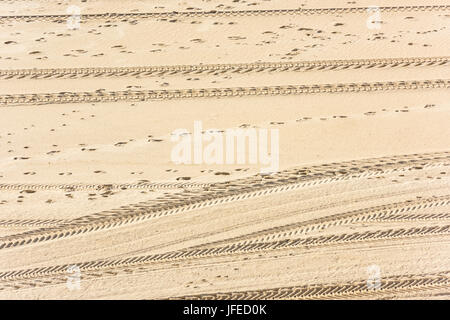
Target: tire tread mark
{"x":398,"y":283}
{"x":321,"y":65}
{"x":137,"y":262}
{"x":228,"y":13}
{"x":226,"y":192}
{"x":9,"y":100}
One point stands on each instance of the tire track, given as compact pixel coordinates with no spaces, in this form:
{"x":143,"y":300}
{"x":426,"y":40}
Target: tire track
{"x":240,"y":68}
{"x":392,"y":284}
{"x":395,"y":212}
{"x":62,"y":18}
{"x":19,"y":279}
{"x":17,"y":223}
{"x":158,"y":95}
{"x":226,"y":192}
{"x":440,"y":216}
{"x":112,"y":186}
{"x":432,"y":202}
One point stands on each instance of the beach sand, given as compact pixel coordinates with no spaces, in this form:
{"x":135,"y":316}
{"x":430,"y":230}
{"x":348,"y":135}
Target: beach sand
{"x":93,"y":205}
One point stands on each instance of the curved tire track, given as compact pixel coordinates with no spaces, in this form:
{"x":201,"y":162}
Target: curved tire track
{"x":393,"y":284}
{"x":400,"y":211}
{"x":94,"y":269}
{"x":222,"y":193}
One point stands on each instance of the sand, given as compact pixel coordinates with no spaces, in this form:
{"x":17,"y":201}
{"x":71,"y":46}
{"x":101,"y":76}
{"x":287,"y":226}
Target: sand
{"x":93,"y":205}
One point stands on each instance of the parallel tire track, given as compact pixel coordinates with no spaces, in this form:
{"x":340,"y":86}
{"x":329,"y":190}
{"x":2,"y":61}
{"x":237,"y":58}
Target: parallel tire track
{"x":61,"y":18}
{"x":222,"y":193}
{"x":401,"y":211}
{"x":403,"y":218}
{"x":391,"y":284}
{"x":399,"y":214}
{"x":240,"y":68}
{"x":30,"y":277}
{"x":146,"y":95}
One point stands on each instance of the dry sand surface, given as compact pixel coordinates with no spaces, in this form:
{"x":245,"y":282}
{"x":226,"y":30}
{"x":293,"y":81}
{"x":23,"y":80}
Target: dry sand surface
{"x":354,"y":102}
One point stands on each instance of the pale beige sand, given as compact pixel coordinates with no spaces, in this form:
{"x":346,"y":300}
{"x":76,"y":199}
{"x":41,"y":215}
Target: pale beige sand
{"x":93,"y":185}
{"x":31,"y":7}
{"x":247,"y":39}
{"x":350,"y":126}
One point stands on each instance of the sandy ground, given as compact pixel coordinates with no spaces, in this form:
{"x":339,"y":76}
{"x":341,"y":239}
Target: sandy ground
{"x":92,"y":205}
{"x":190,"y":40}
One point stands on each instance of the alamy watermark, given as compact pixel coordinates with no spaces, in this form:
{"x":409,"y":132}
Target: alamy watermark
{"x":73,"y":21}
{"x":374,"y":277}
{"x":374,"y":20}
{"x":227,"y":147}
{"x":73,"y":278}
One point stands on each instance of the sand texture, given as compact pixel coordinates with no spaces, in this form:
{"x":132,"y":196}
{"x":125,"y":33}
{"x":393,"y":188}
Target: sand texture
{"x":93,"y":95}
